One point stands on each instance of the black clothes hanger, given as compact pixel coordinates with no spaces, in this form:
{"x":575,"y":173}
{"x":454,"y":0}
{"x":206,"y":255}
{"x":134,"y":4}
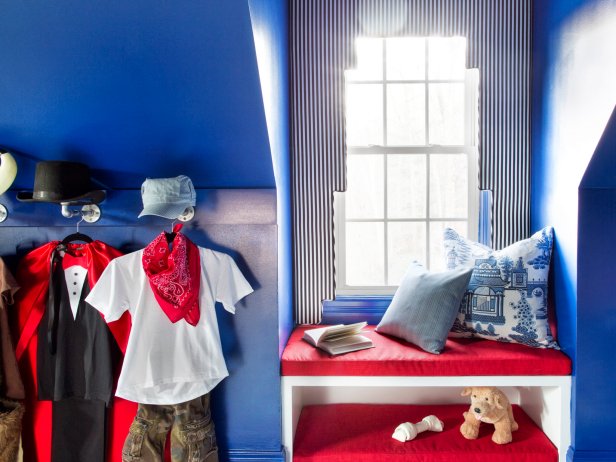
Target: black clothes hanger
{"x":77,"y":237}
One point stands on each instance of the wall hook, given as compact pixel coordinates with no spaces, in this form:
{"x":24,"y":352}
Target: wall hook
{"x":4,"y":213}
{"x":188,"y":214}
{"x":90,"y":212}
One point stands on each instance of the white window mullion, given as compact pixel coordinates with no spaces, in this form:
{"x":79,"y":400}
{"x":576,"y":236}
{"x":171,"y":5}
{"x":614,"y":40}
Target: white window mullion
{"x":403,"y":220}
{"x":385,"y":224}
{"x":427,"y":143}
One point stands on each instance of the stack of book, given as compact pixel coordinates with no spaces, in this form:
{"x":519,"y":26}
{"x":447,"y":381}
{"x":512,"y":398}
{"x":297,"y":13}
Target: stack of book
{"x":338,"y":339}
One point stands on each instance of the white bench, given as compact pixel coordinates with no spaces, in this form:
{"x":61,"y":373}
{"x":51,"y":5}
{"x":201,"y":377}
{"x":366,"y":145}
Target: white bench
{"x":309,"y":376}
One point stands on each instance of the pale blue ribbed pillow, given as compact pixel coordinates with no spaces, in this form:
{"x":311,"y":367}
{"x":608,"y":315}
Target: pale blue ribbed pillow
{"x":425,"y":306}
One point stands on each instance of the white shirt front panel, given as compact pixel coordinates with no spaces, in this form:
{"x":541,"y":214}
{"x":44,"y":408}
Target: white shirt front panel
{"x":75,"y":276}
{"x":165,"y":362}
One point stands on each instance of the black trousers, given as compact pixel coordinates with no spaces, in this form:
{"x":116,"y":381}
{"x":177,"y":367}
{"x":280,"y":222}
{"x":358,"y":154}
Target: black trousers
{"x":79,"y":430}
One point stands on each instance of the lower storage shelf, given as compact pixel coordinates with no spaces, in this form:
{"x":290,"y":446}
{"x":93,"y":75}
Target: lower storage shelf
{"x":362,"y":433}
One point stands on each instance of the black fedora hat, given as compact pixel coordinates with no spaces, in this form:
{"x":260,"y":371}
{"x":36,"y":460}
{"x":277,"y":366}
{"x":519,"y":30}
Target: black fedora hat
{"x":61,"y":181}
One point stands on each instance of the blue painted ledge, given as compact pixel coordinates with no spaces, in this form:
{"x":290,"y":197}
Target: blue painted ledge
{"x":246,"y":455}
{"x":590,"y":456}
{"x":349,"y":309}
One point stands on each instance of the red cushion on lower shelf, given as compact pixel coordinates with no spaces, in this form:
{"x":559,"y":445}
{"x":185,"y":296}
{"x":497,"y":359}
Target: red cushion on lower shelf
{"x":394,"y":357}
{"x":362,"y":433}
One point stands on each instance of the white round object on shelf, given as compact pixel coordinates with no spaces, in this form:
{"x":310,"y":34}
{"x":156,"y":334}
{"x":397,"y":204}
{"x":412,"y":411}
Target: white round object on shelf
{"x":8,"y":171}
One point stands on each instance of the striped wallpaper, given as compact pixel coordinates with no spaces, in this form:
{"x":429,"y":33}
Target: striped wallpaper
{"x":321,"y":34}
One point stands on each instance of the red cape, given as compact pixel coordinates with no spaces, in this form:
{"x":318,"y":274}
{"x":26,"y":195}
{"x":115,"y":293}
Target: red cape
{"x":31,"y":301}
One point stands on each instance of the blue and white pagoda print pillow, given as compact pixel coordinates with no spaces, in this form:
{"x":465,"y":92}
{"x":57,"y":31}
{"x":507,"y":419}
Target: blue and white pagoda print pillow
{"x":506,"y":298}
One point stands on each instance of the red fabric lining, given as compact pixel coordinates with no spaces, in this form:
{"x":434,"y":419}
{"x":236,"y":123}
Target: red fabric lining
{"x":394,"y":357}
{"x":362,"y":433}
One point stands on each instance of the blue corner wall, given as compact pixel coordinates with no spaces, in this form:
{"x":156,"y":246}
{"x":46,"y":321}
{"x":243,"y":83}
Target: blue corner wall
{"x":574,"y":93}
{"x":154,"y":89}
{"x":596,"y":304}
{"x":270,"y":28}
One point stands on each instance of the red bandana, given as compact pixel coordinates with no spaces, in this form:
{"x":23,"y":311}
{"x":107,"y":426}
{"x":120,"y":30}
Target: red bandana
{"x":174,"y":276}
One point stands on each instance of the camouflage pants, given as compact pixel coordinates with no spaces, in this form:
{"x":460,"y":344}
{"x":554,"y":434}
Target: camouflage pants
{"x":11,"y":413}
{"x":192,"y":433}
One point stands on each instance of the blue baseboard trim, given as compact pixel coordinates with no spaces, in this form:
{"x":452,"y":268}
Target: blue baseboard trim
{"x":590,"y":456}
{"x":247,"y":455}
{"x":347,"y":309}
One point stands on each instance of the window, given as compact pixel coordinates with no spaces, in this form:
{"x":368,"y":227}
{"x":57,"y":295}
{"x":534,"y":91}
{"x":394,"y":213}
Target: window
{"x":411,"y":122}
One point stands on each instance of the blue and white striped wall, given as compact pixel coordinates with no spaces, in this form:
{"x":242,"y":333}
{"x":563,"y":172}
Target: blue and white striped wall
{"x":321,"y":47}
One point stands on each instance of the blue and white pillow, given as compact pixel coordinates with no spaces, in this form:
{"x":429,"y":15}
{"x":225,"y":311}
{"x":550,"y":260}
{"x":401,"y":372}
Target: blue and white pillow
{"x":506,"y":298}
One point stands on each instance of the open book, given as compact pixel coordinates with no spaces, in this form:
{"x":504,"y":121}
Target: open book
{"x":339,"y":339}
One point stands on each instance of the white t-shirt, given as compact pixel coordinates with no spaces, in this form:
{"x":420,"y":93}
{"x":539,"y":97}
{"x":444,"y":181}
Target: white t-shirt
{"x":165,"y":362}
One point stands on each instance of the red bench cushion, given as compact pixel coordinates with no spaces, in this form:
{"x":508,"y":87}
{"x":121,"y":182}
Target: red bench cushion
{"x":362,"y":433}
{"x":394,"y":357}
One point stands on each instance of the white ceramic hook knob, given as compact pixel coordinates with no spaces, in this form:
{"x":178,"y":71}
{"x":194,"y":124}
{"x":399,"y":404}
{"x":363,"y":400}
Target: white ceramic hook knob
{"x":188,"y":214}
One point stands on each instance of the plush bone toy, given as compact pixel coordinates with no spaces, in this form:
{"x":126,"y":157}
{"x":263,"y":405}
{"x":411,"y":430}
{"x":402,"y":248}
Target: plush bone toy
{"x":408,"y":431}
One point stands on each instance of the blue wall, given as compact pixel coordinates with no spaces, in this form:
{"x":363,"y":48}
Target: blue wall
{"x":596,"y":374}
{"x":574,"y":88}
{"x":270,"y":27}
{"x":135,"y":88}
{"x":154,"y":89}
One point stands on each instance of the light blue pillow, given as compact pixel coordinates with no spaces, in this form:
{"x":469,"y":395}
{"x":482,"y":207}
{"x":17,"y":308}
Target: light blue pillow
{"x":506,"y":299}
{"x":425,"y":306}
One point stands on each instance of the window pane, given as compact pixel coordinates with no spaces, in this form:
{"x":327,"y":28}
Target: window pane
{"x":364,"y":114}
{"x":406,"y":186}
{"x":365,"y":259}
{"x":369,"y":60}
{"x":446,"y":113}
{"x":406,"y":58}
{"x":365,"y":186}
{"x":405,"y":242}
{"x":438,"y":261}
{"x":406,"y":114}
{"x":448,"y":186}
{"x":446,"y":58}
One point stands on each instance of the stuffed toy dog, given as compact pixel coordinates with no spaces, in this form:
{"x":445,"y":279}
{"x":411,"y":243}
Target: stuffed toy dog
{"x":489,"y":405}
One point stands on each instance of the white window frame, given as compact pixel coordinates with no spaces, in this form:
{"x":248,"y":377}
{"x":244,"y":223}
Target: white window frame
{"x":471,"y":120}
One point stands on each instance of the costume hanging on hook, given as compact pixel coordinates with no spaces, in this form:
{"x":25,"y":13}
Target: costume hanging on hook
{"x":67,"y":352}
{"x":11,"y":387}
{"x":171,"y":293}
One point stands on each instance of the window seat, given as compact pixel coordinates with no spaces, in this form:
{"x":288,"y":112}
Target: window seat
{"x":398,"y":373}
{"x":393,"y":357}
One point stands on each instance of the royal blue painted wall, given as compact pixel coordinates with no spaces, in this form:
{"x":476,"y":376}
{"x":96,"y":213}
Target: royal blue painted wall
{"x":135,"y":88}
{"x":574,"y":93}
{"x":270,"y":27}
{"x":154,"y":89}
{"x":596,"y":374}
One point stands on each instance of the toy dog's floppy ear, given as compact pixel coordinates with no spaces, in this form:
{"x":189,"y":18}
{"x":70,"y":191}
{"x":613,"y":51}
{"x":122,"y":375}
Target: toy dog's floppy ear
{"x":467,"y":391}
{"x":498,"y":401}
